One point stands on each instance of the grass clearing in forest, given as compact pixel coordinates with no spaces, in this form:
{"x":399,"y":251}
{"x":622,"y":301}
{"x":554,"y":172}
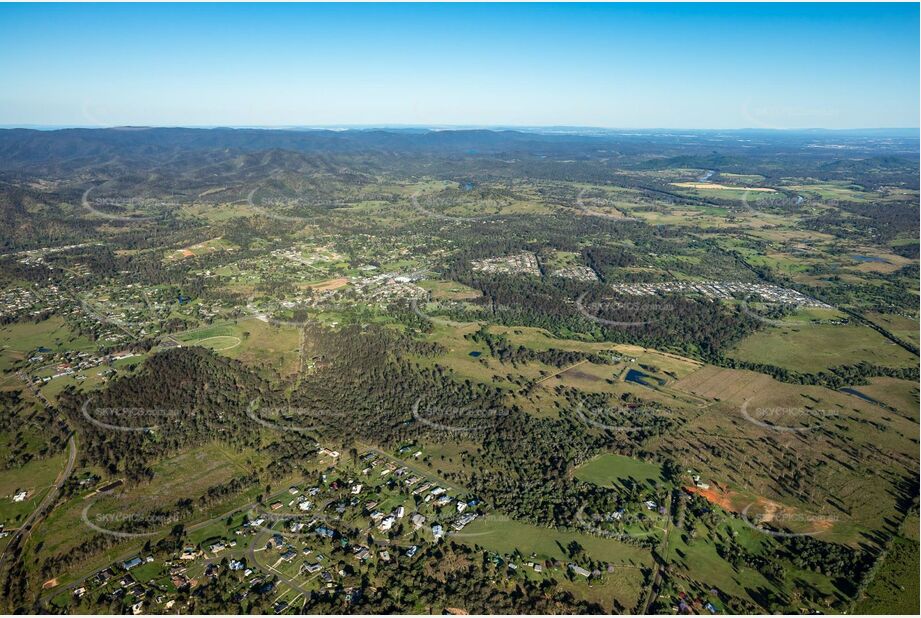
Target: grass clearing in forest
{"x":250,"y":341}
{"x":504,"y":535}
{"x":610,"y":470}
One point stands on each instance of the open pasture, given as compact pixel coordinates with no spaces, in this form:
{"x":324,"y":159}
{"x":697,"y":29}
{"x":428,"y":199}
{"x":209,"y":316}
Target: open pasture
{"x":21,"y":338}
{"x":901,"y":326}
{"x":500,"y":534}
{"x":137,"y":509}
{"x":36,"y":478}
{"x":250,"y":341}
{"x":812,"y":348}
{"x":448,"y":290}
{"x":609,"y":470}
{"x":820,"y":452}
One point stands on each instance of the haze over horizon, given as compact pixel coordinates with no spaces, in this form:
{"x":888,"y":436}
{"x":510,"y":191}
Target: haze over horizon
{"x":549,"y":128}
{"x":439,"y":309}
{"x":688,"y":67}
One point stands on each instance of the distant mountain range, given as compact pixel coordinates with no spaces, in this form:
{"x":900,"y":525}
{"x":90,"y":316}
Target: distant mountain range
{"x":63,"y":149}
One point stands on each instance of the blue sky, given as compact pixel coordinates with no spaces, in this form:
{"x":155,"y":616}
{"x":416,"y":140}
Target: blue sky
{"x":629,"y":65}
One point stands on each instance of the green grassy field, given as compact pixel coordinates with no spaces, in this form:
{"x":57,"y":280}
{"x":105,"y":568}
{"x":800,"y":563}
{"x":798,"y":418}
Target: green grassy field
{"x":843,"y":191}
{"x":625,"y":586}
{"x":903,"y":395}
{"x":219,"y":343}
{"x":617,"y":470}
{"x":813,"y":348}
{"x":448,"y":457}
{"x":700,"y":560}
{"x":94,"y":377}
{"x":895,"y":589}
{"x":457,"y":357}
{"x":505,"y":536}
{"x":903,"y":327}
{"x":23,"y":337}
{"x":251,"y":341}
{"x":36,"y":477}
{"x":747,"y":473}
{"x":187,"y":475}
{"x":697,"y":557}
{"x":448,"y":290}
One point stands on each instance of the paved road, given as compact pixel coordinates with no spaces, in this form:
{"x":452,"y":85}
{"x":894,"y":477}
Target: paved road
{"x":34,"y":388}
{"x":25,"y":530}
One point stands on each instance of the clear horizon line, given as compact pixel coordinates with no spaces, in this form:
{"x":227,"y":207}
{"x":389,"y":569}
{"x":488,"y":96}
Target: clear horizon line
{"x":525,"y":127}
